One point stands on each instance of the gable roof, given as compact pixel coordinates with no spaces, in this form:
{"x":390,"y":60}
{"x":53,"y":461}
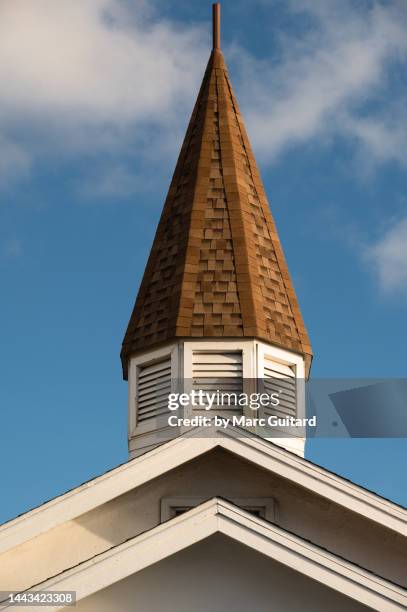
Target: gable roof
{"x":187,"y":447}
{"x":220,"y":516}
{"x":216,"y":267}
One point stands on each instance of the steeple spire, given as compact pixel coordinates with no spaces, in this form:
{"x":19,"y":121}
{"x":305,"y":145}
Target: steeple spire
{"x":216,"y":25}
{"x":216,"y":267}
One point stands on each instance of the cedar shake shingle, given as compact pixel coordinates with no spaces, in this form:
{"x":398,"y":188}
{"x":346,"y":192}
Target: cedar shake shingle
{"x":216,"y":267}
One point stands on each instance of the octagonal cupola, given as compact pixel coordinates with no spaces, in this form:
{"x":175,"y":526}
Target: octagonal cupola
{"x":216,"y":304}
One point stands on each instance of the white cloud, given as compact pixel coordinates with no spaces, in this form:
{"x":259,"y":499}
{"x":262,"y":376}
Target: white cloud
{"x":96,"y":76}
{"x":388,"y":256}
{"x":331,"y":80}
{"x":93,"y":59}
{"x":381,"y":138}
{"x":88,"y":75}
{"x":113,"y":181}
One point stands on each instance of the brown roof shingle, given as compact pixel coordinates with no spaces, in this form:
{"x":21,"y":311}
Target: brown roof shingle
{"x":216,"y":267}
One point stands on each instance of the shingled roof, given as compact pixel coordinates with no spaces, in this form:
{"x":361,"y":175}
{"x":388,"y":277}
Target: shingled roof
{"x":216,"y":267}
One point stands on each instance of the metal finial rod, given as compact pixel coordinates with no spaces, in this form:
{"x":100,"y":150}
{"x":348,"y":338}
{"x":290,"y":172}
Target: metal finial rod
{"x":216,"y":25}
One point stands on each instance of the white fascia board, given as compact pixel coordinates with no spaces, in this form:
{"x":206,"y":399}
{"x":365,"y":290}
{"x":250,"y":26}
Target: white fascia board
{"x":102,"y":489}
{"x":219,"y":516}
{"x":187,"y":447}
{"x":317,"y":479}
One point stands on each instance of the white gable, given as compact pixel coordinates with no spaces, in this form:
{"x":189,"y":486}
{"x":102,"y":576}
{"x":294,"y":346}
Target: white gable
{"x":240,"y":580}
{"x":191,"y":445}
{"x":218,"y":516}
{"x":250,"y":472}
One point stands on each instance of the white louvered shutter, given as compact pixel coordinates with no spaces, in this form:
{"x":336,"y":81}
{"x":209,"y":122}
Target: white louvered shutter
{"x":218,"y":371}
{"x":223,"y":370}
{"x":279,"y":378}
{"x":153,"y":388}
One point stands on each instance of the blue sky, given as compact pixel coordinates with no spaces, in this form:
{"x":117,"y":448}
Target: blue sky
{"x":97,"y":98}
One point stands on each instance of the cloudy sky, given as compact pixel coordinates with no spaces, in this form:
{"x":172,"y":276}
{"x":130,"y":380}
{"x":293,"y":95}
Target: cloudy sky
{"x":95,"y":99}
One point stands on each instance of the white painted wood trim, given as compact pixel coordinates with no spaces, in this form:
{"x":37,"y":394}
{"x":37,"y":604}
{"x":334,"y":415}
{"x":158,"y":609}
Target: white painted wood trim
{"x":266,"y":503}
{"x":219,"y":516}
{"x":192,"y":444}
{"x":172,"y":351}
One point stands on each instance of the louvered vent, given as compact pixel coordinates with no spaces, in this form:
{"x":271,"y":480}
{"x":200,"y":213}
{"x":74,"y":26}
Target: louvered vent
{"x":279,"y":378}
{"x":154,"y":386}
{"x":221,"y":371}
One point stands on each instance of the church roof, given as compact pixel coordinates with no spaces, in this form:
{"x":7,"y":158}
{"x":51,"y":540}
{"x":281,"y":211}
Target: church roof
{"x":220,"y":516}
{"x":46,"y":525}
{"x":216,"y":267}
{"x":185,"y":448}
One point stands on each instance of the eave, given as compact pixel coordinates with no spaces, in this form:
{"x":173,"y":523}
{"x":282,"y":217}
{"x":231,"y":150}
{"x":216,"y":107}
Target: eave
{"x":218,"y":516}
{"x":188,"y":447}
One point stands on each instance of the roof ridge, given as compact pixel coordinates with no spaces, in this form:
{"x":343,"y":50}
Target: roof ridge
{"x":268,"y":229}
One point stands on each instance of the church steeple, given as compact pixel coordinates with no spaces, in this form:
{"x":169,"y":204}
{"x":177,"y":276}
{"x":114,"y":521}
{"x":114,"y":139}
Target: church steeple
{"x":216,"y":268}
{"x":216,"y":26}
{"x":216,"y":271}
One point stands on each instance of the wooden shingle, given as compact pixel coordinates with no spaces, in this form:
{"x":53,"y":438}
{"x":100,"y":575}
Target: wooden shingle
{"x":216,"y":267}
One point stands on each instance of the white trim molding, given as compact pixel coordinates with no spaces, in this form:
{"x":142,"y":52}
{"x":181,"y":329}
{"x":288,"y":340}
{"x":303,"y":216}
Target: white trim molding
{"x":263,"y":506}
{"x":219,"y":516}
{"x":187,"y":447}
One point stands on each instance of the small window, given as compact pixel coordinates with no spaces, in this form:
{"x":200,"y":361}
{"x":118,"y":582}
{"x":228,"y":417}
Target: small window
{"x":258,"y":511}
{"x":175,"y":506}
{"x":177,"y":510}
